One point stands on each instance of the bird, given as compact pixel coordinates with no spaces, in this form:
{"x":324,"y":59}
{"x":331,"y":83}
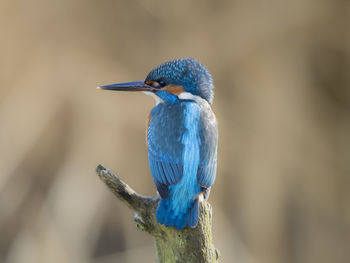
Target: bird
{"x":182,"y":137}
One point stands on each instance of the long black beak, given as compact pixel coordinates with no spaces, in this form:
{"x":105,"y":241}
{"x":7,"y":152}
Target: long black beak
{"x":128,"y":86}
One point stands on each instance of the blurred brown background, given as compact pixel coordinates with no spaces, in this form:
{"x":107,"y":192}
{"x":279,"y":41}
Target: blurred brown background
{"x":281,"y":71}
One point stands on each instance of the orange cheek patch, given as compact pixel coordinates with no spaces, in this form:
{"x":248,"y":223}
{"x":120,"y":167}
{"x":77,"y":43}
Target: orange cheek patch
{"x":149,"y":120}
{"x":176,"y":90}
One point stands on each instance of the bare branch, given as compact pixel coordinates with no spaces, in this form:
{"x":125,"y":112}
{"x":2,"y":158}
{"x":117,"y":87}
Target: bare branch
{"x":124,"y":192}
{"x":172,"y":245}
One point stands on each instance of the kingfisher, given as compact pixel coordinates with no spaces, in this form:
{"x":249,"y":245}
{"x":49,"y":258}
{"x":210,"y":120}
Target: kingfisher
{"x":182,"y":137}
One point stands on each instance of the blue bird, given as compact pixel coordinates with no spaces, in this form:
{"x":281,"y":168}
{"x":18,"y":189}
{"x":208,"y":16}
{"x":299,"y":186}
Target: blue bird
{"x":182,"y":137}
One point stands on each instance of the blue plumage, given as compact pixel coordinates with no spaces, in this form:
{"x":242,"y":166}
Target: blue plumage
{"x":182,"y":138}
{"x":174,"y":145}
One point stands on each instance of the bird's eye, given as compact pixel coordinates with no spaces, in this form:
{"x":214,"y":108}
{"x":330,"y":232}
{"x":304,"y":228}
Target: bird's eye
{"x":162,"y":83}
{"x":159,"y":84}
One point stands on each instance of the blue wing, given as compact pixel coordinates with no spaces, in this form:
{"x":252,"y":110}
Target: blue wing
{"x":164,"y":174}
{"x":173,"y":143}
{"x":182,"y":141}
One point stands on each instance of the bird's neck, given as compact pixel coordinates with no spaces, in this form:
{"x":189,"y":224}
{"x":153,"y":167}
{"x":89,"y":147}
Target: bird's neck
{"x":167,"y":98}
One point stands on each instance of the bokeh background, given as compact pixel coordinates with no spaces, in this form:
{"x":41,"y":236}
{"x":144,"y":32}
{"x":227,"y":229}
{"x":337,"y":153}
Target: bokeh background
{"x":282,"y":77}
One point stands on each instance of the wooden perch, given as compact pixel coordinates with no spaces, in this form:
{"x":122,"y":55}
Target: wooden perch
{"x":172,"y":245}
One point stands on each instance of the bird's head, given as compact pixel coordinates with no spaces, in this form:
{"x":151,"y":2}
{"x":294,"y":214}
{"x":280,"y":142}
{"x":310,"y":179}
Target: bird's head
{"x":173,"y":80}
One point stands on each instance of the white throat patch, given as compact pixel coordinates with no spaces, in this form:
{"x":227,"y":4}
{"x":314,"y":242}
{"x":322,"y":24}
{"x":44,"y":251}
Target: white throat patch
{"x":155,"y":97}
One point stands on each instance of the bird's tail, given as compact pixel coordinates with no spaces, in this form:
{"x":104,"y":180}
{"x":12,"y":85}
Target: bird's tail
{"x":167,"y":216}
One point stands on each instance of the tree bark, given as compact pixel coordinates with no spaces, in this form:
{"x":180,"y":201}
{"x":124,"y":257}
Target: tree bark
{"x":172,"y":245}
